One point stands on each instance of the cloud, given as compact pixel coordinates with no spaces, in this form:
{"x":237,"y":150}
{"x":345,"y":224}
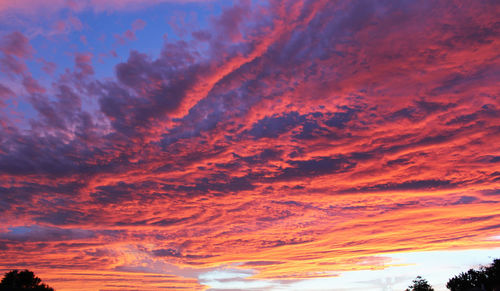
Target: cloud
{"x":16,"y":44}
{"x":32,"y":6}
{"x":428,"y":185}
{"x":48,"y":67}
{"x":273,"y":126}
{"x":32,"y":86}
{"x":315,"y":167}
{"x":5,"y":93}
{"x":15,"y":48}
{"x":83,"y":64}
{"x":301,"y":135}
{"x":67,"y":25}
{"x":37,"y":233}
{"x":13,"y":66}
{"x":129,"y":34}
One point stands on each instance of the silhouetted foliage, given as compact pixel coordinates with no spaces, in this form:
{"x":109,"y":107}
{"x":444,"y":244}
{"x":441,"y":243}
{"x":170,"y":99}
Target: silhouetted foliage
{"x":22,"y":281}
{"x":484,"y":279}
{"x":420,"y":284}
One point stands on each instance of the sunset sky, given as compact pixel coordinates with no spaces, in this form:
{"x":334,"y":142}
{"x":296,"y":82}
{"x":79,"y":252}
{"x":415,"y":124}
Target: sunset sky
{"x":248,"y":145}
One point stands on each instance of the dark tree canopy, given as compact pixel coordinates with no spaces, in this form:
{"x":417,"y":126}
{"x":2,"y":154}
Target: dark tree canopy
{"x":22,"y":281}
{"x":420,"y":284}
{"x":486,"y":278}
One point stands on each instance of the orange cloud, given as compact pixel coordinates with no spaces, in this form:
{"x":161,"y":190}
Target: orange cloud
{"x":309,"y":140}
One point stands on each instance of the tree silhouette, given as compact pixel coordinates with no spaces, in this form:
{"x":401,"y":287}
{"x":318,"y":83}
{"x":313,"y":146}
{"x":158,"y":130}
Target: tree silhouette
{"x":22,"y":281}
{"x":486,"y":278}
{"x":420,"y":284}
{"x":493,"y":274}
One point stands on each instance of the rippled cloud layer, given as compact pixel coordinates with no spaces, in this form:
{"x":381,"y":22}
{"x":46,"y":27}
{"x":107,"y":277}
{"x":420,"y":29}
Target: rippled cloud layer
{"x":279,"y":141}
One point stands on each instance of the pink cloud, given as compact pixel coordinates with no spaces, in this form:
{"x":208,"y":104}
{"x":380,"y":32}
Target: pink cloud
{"x":30,"y":6}
{"x":32,"y":86}
{"x":72,"y":23}
{"x":5,"y":93}
{"x":12,"y":66}
{"x":35,"y":6}
{"x":129,"y":34}
{"x":107,"y":5}
{"x":48,"y":67}
{"x":16,"y":44}
{"x":83,"y":39}
{"x":138,"y":24}
{"x":83,"y":63}
{"x":15,"y":47}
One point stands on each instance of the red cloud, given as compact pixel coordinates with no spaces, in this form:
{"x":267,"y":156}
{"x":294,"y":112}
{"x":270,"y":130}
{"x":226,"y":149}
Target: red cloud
{"x":297,"y":144}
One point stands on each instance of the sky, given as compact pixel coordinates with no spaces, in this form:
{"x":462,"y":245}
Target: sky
{"x":249,"y":145}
